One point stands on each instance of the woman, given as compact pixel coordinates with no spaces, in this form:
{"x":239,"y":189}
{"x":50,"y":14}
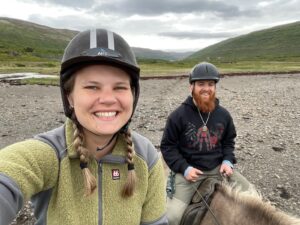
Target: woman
{"x":92,"y":170}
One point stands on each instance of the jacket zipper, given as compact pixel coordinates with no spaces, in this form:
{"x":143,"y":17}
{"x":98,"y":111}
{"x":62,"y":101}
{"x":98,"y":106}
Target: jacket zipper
{"x":100,"y":218}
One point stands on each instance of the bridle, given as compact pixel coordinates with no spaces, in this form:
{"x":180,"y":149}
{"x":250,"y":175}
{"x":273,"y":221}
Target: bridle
{"x":208,"y":207}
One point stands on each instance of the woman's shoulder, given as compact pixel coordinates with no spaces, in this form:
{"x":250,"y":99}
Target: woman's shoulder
{"x":55,"y":138}
{"x":145,"y":149}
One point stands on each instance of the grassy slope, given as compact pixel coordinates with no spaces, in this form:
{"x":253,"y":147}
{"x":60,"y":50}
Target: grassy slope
{"x":280,"y":43}
{"x":31,"y":42}
{"x":31,"y":47}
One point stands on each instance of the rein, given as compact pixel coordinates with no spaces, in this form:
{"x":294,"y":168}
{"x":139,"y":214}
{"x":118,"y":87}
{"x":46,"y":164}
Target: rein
{"x":207,"y":206}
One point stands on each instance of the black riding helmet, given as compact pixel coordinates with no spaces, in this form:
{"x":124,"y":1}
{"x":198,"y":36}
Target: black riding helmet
{"x":98,"y":46}
{"x":204,"y":71}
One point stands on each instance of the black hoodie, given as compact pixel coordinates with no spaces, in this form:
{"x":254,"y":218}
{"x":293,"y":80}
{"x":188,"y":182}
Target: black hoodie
{"x":185,"y":144}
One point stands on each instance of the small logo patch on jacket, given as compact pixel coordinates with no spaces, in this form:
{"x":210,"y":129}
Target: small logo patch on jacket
{"x":115,"y":174}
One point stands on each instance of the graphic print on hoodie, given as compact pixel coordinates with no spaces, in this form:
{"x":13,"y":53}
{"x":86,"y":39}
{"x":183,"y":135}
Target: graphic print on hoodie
{"x":203,"y":140}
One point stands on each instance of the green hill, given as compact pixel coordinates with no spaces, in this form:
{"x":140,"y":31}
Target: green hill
{"x":280,"y":43}
{"x":21,"y":40}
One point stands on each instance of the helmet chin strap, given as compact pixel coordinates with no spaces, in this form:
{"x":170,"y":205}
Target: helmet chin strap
{"x":107,"y":144}
{"x":122,"y":130}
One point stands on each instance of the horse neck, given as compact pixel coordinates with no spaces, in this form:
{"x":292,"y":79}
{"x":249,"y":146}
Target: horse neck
{"x":221,"y":207}
{"x":231,"y":209}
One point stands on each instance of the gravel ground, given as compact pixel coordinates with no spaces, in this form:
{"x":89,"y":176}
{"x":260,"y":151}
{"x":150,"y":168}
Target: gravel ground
{"x":265,"y":108}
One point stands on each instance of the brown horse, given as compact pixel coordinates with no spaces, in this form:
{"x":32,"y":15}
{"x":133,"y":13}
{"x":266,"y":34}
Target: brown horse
{"x":233,"y":208}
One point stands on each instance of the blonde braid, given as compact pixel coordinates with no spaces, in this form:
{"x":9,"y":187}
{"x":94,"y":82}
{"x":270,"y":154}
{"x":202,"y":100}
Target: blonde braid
{"x":84,"y":156}
{"x":130,"y":184}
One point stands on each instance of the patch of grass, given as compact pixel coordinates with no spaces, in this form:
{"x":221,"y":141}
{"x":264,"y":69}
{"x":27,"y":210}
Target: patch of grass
{"x":48,"y":64}
{"x":258,"y":66}
{"x":40,"y":81}
{"x":161,"y":68}
{"x":20,"y":65}
{"x":184,"y":67}
{"x":29,"y":66}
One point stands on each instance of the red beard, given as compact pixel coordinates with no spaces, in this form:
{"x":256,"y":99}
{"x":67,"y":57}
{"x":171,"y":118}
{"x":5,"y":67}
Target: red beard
{"x":205,"y":105}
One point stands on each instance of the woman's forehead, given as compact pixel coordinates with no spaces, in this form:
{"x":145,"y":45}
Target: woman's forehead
{"x":101,"y":73}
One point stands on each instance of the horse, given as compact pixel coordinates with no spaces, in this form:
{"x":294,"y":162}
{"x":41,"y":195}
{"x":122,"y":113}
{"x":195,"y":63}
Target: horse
{"x":230,"y":207}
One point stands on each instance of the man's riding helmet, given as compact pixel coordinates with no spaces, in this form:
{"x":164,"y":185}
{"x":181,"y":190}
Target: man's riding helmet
{"x":204,"y":71}
{"x":98,"y":46}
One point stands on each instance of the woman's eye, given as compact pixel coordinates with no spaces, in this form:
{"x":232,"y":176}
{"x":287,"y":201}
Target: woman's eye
{"x":121,"y":88}
{"x":91,"y":87}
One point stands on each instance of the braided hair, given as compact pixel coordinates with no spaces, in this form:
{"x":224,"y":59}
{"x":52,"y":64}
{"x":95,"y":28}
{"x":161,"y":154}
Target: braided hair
{"x":129,"y":186}
{"x":84,"y":157}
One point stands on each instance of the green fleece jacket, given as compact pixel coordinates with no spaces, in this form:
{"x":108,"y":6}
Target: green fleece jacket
{"x":46,"y":169}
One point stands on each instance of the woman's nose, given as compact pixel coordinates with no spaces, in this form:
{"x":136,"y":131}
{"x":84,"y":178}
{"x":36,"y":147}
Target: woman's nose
{"x":106,"y":97}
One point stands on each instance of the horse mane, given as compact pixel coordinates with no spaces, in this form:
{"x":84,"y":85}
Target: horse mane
{"x":249,"y":205}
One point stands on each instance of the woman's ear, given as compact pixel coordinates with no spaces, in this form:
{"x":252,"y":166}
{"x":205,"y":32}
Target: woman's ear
{"x":70,"y":100}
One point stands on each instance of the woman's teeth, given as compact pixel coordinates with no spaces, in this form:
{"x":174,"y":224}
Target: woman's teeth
{"x":106,"y":114}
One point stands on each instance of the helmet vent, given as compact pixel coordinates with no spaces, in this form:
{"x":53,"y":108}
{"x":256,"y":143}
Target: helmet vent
{"x":206,"y":67}
{"x":110,"y":39}
{"x":93,"y":38}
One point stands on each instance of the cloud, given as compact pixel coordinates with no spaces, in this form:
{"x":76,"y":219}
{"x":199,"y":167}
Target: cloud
{"x":158,"y":7}
{"x":66,"y":3}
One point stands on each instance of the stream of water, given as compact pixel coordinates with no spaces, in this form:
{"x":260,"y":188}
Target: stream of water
{"x":17,"y":76}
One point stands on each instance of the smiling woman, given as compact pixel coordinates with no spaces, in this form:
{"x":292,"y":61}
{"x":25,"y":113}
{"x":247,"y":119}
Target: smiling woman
{"x":93,"y":165}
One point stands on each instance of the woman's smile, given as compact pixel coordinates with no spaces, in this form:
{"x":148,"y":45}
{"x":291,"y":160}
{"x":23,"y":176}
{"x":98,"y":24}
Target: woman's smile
{"x":106,"y":116}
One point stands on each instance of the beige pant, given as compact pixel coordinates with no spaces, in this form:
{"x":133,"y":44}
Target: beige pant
{"x":184,"y":191}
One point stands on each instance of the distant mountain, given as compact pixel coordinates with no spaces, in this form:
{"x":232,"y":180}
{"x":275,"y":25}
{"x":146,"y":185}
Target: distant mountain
{"x":276,"y":43}
{"x":145,"y":53}
{"x":22,"y":40}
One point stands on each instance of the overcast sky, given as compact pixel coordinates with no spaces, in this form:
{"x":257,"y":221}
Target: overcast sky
{"x":177,"y":25}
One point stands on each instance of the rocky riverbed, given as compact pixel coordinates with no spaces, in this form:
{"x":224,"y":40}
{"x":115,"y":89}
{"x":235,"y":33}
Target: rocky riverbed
{"x":265,"y":109}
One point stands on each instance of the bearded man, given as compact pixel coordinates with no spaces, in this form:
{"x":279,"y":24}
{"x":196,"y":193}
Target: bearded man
{"x":198,"y":142}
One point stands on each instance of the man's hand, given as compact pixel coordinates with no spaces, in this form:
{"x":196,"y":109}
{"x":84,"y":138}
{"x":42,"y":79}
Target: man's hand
{"x":193,"y":175}
{"x":226,"y":170}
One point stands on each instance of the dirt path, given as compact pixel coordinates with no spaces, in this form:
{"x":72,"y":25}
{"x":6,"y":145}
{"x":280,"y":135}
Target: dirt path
{"x":266,"y":111}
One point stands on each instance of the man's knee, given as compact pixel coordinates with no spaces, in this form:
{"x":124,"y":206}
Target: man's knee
{"x":175,"y":210}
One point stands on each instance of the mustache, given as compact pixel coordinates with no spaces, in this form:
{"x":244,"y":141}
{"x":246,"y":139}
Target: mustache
{"x":205,"y":106}
{"x":203,"y":92}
